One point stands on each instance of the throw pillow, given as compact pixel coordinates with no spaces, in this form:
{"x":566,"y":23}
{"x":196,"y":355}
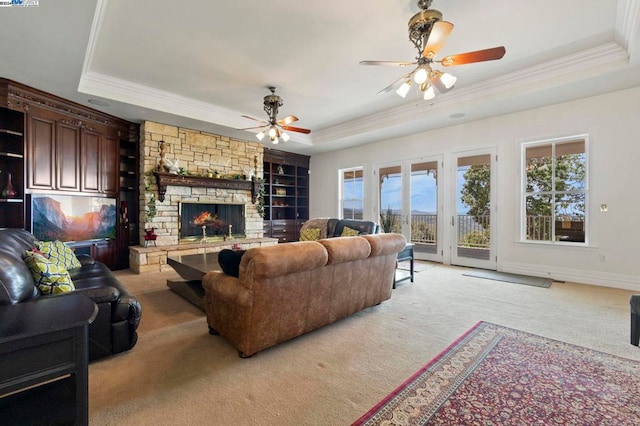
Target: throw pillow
{"x":229,"y":261}
{"x":50,"y":277}
{"x":60,"y":253}
{"x":349,"y":232}
{"x":310,"y":234}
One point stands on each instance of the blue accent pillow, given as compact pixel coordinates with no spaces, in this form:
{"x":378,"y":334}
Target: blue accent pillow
{"x":229,"y":261}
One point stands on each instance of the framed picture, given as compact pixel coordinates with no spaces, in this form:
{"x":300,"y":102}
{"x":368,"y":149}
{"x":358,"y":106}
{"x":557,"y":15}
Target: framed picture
{"x":73,"y":217}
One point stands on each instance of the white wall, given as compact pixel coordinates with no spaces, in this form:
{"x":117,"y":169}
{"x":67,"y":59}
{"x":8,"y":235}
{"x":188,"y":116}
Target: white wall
{"x":612,"y":122}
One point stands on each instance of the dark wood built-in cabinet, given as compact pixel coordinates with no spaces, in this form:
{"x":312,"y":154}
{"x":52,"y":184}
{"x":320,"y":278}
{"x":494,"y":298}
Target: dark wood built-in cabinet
{"x":12,"y":208}
{"x":286,"y":194}
{"x":54,"y":146}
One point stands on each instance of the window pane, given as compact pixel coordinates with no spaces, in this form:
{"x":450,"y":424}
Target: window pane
{"x":539,"y":217}
{"x":352,"y":194}
{"x":539,"y":168}
{"x":570,"y":166}
{"x":569,"y":211}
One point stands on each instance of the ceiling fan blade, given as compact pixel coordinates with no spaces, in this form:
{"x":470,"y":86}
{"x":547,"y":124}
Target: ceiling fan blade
{"x":391,"y":63}
{"x":471,"y":57}
{"x":439,"y":34}
{"x":288,"y":119}
{"x":395,"y":83}
{"x":255,"y":119}
{"x":252,"y":128}
{"x":296,"y":129}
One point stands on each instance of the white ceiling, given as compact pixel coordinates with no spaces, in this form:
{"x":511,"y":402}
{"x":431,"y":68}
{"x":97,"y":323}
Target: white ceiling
{"x":201,"y":64}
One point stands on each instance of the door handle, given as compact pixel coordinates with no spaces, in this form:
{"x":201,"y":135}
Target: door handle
{"x":453,"y":221}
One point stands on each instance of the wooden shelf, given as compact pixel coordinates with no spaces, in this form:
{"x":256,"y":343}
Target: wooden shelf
{"x":165,"y":179}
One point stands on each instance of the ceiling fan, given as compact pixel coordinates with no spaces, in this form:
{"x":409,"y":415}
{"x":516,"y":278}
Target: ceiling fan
{"x":275,"y":128}
{"x":428,"y":32}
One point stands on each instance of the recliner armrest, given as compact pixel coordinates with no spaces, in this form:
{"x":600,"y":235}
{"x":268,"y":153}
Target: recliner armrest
{"x":100,"y":294}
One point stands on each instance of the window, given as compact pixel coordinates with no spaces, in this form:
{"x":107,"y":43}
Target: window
{"x":555,"y":190}
{"x":351,"y":193}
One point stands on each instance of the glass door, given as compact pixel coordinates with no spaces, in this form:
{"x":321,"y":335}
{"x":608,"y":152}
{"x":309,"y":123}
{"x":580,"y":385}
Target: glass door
{"x":474,"y":210}
{"x":410,"y":204}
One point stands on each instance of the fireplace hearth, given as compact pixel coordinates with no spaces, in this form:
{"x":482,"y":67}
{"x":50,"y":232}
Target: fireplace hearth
{"x":214,"y":221}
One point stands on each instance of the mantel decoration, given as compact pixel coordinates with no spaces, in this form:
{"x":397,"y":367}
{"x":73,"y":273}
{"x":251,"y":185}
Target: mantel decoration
{"x":165,"y":179}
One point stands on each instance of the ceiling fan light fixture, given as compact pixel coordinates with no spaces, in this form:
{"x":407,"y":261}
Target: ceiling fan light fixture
{"x":284,"y":136}
{"x":429,"y":93}
{"x":420,"y":75}
{"x":260,"y":135}
{"x":404,"y":89}
{"x":448,"y":80}
{"x":273,"y":132}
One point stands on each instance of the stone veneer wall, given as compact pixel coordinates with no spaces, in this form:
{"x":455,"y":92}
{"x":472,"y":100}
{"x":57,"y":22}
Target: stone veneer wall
{"x":197,"y":152}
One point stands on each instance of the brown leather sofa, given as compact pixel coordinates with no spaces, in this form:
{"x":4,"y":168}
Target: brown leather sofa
{"x":114,"y":328}
{"x":287,"y":290}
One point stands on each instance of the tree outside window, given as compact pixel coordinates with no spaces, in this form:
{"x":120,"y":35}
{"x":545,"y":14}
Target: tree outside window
{"x":555,"y":180}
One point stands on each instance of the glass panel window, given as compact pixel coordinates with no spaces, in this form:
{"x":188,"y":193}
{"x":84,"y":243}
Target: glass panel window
{"x":555,"y":193}
{"x":351,"y":193}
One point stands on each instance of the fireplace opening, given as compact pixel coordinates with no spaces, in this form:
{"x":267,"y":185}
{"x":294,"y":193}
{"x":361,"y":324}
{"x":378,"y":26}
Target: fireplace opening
{"x":211,"y":220}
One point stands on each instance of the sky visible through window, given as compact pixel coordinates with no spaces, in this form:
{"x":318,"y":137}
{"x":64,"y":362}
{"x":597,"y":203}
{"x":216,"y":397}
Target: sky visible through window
{"x":423,"y":197}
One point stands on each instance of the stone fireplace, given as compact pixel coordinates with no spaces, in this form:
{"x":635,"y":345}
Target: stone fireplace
{"x":199,"y":154}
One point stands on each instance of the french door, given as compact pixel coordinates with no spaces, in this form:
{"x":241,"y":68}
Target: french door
{"x":409,"y":203}
{"x":474,"y":209}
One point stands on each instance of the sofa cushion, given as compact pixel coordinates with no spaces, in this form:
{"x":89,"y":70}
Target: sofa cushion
{"x":283,"y":259}
{"x":229,"y":261}
{"x":310,"y":234}
{"x":16,"y":282}
{"x":60,"y":253}
{"x":349,"y":232}
{"x":346,"y":249}
{"x":49,"y":276}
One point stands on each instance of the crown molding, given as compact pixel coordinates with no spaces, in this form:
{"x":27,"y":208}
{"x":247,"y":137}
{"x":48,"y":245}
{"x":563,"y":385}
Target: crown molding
{"x":628,"y":28}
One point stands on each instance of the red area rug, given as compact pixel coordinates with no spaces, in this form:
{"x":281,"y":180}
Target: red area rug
{"x":493,"y":375}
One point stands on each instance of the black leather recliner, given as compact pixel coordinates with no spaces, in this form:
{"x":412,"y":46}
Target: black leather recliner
{"x":114,"y":328}
{"x":336,"y":226}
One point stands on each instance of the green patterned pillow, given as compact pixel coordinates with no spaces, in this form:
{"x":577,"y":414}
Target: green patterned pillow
{"x":60,"y":253}
{"x":310,"y":234}
{"x":348,"y":232}
{"x":50,"y":277}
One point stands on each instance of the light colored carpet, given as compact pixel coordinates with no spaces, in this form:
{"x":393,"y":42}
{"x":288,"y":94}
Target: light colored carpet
{"x":418,"y":265}
{"x":178,"y":374}
{"x":509,"y":278}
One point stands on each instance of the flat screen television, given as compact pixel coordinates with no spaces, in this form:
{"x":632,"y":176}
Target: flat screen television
{"x":73,"y":217}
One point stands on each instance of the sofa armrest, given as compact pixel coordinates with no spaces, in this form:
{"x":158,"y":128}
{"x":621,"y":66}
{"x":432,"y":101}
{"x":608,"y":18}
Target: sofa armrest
{"x":100,"y":294}
{"x":128,"y":308}
{"x":227,"y":288}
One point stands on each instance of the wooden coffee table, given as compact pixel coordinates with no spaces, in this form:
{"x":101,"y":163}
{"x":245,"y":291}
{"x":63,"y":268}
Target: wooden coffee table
{"x":192,"y":268}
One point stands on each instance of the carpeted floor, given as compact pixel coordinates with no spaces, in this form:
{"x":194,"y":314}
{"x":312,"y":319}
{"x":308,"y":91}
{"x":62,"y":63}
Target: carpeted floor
{"x":510,"y":278}
{"x":178,"y":374}
{"x":494,"y":374}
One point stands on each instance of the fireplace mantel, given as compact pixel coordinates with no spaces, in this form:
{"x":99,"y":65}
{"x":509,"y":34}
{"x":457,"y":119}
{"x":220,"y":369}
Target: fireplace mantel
{"x":165,"y":179}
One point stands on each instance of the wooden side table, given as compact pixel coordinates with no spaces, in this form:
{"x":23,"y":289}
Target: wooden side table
{"x":44,"y":361}
{"x":405,"y":254}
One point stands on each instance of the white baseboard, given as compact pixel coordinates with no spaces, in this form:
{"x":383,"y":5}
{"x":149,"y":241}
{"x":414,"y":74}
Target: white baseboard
{"x":604,"y":279}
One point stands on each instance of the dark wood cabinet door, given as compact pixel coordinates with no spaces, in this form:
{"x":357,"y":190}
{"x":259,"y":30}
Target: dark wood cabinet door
{"x":104,"y":252}
{"x":90,"y":150}
{"x":41,"y":152}
{"x":68,"y":157}
{"x":110,"y":164}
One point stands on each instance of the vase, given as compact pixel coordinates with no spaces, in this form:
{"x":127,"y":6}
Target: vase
{"x":9,"y":191}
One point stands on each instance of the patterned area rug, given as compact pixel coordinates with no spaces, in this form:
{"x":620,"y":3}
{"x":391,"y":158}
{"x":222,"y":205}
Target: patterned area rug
{"x":493,"y":375}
